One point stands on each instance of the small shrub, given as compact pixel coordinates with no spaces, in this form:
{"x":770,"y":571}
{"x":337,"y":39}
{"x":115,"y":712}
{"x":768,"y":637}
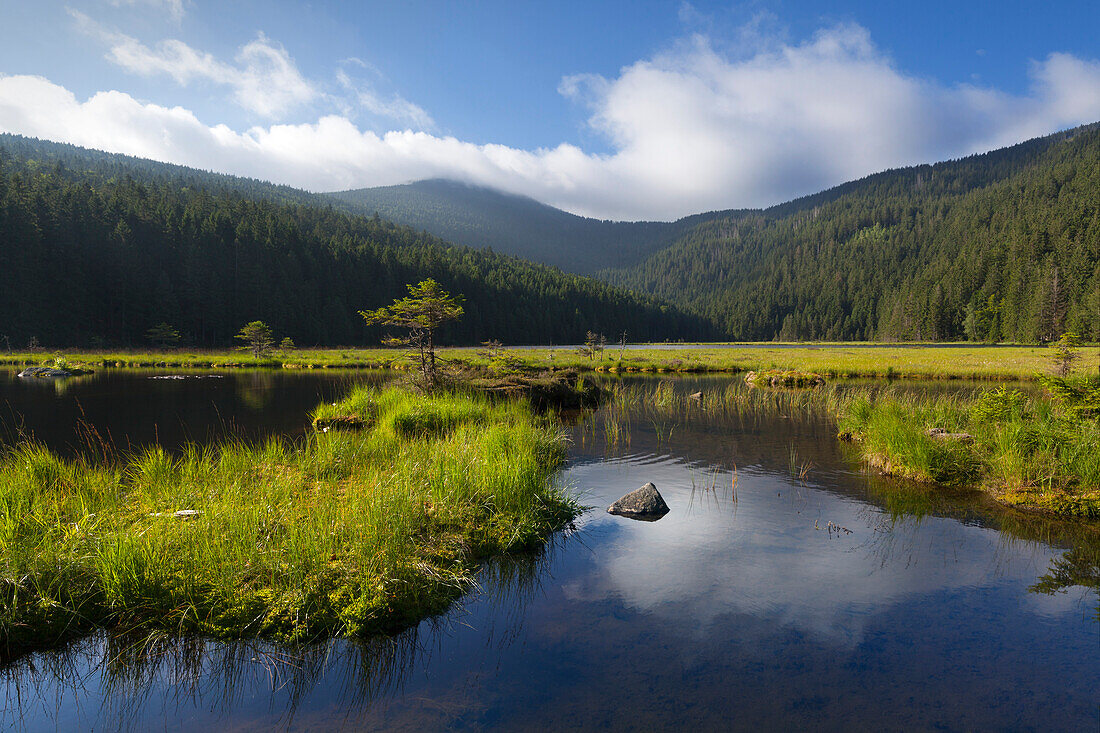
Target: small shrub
{"x":999,"y":405}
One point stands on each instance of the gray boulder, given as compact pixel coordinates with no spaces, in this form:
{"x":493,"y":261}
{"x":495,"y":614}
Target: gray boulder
{"x":44,"y":372}
{"x":645,"y":503}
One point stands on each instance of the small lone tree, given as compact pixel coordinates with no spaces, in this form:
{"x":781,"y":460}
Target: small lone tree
{"x":163,"y":335}
{"x":500,"y":360}
{"x":287,"y":344}
{"x":1063,"y":353}
{"x":594,"y":343}
{"x":427,"y":308}
{"x":491,"y":350}
{"x":257,"y":337}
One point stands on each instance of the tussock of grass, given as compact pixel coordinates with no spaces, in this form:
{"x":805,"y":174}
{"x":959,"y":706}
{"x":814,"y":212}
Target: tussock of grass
{"x":895,"y":440}
{"x":344,"y":534}
{"x":784,"y":378}
{"x":1026,"y":452}
{"x":735,"y":399}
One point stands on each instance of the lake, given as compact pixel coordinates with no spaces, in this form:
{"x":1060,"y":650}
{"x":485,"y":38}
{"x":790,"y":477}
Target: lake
{"x":786,"y":589}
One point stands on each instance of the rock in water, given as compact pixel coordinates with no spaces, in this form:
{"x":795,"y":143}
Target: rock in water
{"x":44,"y":372}
{"x":644,"y":503}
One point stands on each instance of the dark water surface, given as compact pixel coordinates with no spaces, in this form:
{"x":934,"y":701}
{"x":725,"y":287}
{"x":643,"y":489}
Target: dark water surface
{"x":742,"y":609}
{"x":128,"y":409}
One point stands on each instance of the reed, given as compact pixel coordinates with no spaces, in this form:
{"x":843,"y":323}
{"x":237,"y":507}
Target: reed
{"x":1024,"y":450}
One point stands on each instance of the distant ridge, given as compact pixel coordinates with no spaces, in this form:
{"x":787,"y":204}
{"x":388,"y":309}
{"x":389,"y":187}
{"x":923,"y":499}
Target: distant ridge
{"x":1003,"y":245}
{"x":485,"y":218}
{"x":517,"y":225}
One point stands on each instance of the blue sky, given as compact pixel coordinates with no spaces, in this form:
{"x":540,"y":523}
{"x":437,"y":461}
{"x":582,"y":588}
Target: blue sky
{"x":617,"y":110}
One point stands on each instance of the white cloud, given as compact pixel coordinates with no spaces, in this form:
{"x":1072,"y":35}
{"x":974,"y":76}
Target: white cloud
{"x":265,"y":79}
{"x":395,"y":107}
{"x":690,"y":130}
{"x":680,"y":568}
{"x":174,"y":58}
{"x":268,"y":82}
{"x":174,"y":8}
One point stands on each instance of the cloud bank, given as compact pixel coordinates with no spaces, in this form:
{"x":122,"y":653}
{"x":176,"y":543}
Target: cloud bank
{"x":690,"y":130}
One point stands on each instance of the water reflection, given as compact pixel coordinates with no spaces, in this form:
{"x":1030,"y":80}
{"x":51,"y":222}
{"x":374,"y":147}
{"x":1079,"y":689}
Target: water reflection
{"x":130,"y":409}
{"x":1079,"y":567}
{"x":255,"y":389}
{"x":745,"y":606}
{"x":137,"y":682}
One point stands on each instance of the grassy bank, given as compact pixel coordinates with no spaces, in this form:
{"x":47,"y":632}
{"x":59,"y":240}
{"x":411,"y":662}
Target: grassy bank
{"x":1027,"y":451}
{"x":1032,"y":452}
{"x":916,"y":361}
{"x":346,"y":533}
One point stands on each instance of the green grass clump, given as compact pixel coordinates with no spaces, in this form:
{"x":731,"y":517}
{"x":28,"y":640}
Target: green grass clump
{"x":1024,"y":450}
{"x":784,"y":378}
{"x":346,"y":533}
{"x":895,"y":439}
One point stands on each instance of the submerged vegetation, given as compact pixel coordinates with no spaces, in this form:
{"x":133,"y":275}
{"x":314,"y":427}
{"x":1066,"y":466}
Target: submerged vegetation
{"x":340,"y":534}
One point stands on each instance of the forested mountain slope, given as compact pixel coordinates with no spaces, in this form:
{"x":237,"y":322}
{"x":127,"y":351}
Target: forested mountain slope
{"x":515,"y":225}
{"x":97,"y":248}
{"x":1000,"y":246}
{"x":109,"y":167}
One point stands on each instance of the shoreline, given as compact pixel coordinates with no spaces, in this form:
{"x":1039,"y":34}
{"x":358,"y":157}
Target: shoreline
{"x":978,"y":362}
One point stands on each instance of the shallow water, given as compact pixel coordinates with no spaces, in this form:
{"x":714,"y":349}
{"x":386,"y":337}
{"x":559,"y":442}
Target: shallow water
{"x":743,"y":608}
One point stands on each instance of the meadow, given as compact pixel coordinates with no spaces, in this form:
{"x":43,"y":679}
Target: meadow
{"x":837,"y":361}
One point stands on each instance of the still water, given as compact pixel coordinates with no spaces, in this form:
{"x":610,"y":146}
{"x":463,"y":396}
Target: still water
{"x":786,"y":589}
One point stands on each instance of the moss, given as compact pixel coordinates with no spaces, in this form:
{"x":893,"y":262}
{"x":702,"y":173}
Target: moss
{"x":1070,"y":506}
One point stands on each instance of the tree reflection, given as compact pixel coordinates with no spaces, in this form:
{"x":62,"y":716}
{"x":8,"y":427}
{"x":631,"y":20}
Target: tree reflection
{"x":1079,"y":566}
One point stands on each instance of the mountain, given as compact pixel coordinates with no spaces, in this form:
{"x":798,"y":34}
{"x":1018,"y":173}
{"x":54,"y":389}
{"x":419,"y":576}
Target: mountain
{"x":999,"y":246}
{"x":516,"y":225}
{"x":98,"y":248}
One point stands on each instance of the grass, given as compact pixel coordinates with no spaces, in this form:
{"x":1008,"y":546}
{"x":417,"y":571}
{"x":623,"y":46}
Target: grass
{"x":346,"y":533}
{"x":892,"y":433}
{"x":1025,"y":451}
{"x":833,"y":361}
